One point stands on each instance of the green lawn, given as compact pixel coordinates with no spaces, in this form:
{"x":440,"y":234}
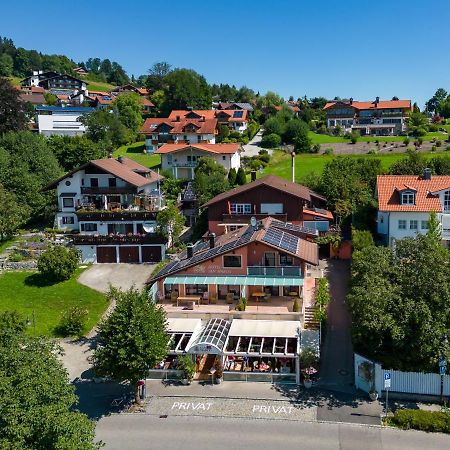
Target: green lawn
{"x":5,"y":244}
{"x":135,"y":151}
{"x":98,"y":86}
{"x":326,"y":139}
{"x":304,"y":163}
{"x":27,"y":291}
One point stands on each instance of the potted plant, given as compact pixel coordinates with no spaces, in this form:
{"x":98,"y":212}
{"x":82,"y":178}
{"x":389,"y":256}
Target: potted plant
{"x":187,"y":366}
{"x":367,"y":370}
{"x":308,"y":360}
{"x":219,"y":371}
{"x":307,"y":382}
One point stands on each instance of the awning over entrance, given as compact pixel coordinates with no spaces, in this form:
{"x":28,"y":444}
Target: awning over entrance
{"x":212,"y":338}
{"x":241,"y":280}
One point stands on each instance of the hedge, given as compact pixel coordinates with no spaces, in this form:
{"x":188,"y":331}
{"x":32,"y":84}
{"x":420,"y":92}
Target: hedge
{"x":417,"y":419}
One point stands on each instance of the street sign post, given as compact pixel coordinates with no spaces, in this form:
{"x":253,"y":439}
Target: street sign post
{"x":442,"y":372}
{"x":387,"y":385}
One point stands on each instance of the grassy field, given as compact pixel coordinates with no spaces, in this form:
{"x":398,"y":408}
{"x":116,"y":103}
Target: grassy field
{"x":98,"y":86}
{"x":326,"y":139}
{"x":27,"y":291}
{"x":135,"y":151}
{"x":280,"y":163}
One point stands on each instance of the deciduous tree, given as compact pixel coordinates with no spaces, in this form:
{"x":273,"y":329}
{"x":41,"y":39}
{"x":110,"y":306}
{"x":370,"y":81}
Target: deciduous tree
{"x":170,"y":223}
{"x":12,"y":114}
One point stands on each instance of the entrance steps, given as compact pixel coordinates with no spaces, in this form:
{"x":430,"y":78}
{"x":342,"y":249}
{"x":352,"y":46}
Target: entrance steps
{"x":310,"y":322}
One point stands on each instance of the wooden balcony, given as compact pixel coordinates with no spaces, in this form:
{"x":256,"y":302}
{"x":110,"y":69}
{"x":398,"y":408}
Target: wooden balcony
{"x":108,"y":190}
{"x":245,"y":218}
{"x":107,"y":216}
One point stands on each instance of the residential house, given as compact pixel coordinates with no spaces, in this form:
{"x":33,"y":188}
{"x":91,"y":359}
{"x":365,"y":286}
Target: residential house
{"x":236,"y":119}
{"x":268,"y":196}
{"x":182,"y":159}
{"x":235,"y":105}
{"x":81,"y":71}
{"x":113,"y":204}
{"x":178,"y":130}
{"x":61,"y":120}
{"x":260,"y":260}
{"x":377,"y":118}
{"x":54,"y":81}
{"x":143,"y":92}
{"x":406,"y":201}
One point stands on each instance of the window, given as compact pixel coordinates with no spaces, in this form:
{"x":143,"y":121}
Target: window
{"x":447,"y":201}
{"x":285,"y":260}
{"x":241,"y":208}
{"x":169,"y":159}
{"x":94,"y":182}
{"x":112,"y":182}
{"x":196,"y":289}
{"x":424,"y":225}
{"x":66,"y":220}
{"x":232,"y":261}
{"x":67,"y":202}
{"x":224,"y":157}
{"x":402,"y":224}
{"x":413,"y":224}
{"x":408,"y":198}
{"x":88,"y":227}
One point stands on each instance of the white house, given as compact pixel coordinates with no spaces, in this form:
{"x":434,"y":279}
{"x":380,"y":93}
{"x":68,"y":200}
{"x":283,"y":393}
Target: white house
{"x":406,"y":201}
{"x":182,"y":159}
{"x":159,"y":131}
{"x":61,"y":120}
{"x":111,"y":206}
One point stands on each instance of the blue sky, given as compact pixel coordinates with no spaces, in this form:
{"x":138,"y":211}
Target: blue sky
{"x":358,"y":49}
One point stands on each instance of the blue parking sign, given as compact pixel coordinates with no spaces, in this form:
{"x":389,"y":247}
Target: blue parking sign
{"x":387,"y":380}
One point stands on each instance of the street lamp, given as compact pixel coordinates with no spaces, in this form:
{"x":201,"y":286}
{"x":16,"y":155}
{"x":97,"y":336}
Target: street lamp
{"x":443,"y":363}
{"x":33,"y":320}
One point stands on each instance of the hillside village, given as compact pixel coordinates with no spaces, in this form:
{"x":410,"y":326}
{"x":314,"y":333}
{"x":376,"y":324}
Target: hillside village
{"x":214,"y":234}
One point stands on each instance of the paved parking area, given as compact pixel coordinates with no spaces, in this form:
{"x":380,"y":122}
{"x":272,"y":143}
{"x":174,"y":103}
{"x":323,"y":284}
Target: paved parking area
{"x":101,"y":276}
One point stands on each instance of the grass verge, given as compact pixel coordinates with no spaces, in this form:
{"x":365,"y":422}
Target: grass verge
{"x":135,"y":152}
{"x":26,"y":292}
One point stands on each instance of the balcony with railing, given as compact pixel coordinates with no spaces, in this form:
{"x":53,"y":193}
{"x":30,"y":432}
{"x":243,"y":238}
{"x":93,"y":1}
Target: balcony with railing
{"x":108,"y":190}
{"x":118,"y":239}
{"x":272,"y":271}
{"x":245,"y":218}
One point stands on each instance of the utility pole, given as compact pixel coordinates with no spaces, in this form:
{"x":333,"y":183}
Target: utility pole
{"x":293,"y":167}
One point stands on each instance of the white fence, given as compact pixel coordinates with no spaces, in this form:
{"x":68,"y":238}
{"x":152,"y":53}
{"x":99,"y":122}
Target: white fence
{"x":418,"y":383}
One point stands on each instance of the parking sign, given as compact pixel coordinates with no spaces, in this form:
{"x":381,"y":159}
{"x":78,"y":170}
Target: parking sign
{"x":387,"y":380}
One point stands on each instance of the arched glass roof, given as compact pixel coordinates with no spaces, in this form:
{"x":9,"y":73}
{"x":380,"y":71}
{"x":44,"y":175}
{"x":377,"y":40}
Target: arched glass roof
{"x":212,"y":338}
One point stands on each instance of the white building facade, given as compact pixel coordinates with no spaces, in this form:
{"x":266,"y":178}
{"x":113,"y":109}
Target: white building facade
{"x":61,"y":120}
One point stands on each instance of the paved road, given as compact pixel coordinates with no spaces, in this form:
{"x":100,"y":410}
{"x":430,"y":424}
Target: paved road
{"x":252,"y":148}
{"x":337,"y":353}
{"x":123,"y":276}
{"x":141,"y":431}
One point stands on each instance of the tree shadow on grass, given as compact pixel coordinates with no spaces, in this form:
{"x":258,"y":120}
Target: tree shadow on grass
{"x":136,"y":149}
{"x":39,"y":280}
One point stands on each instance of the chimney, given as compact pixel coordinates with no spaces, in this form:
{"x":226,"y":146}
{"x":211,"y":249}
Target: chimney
{"x":120,"y":159}
{"x":190,"y":251}
{"x":427,"y":174}
{"x":351,"y":100}
{"x":202,"y":119}
{"x":377,"y":100}
{"x":253,"y":175}
{"x":212,"y":240}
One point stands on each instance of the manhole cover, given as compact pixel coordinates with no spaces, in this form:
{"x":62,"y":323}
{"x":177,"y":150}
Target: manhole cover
{"x":343,"y":372}
{"x":163,"y":416}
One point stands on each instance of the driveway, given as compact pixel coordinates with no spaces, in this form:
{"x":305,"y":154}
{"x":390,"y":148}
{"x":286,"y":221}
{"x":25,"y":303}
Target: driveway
{"x":336,"y":370}
{"x":122,"y":276}
{"x":253,"y":148}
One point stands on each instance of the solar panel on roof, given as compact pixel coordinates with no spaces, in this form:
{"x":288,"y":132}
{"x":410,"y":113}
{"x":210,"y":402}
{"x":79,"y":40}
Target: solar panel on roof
{"x":238,"y":114}
{"x":320,"y":211}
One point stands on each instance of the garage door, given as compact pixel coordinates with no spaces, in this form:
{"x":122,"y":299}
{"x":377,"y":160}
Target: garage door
{"x":151,"y":253}
{"x":129,"y":254}
{"x":106,"y":255}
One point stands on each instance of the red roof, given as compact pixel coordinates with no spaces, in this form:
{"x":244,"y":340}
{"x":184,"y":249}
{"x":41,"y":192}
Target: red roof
{"x":220,"y":149}
{"x":389,"y":188}
{"x":211,"y":114}
{"x":382,"y":104}
{"x":147,"y":102}
{"x":207,"y":126}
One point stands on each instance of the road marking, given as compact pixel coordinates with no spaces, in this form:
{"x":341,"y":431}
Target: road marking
{"x":191,"y":405}
{"x":270,"y":409}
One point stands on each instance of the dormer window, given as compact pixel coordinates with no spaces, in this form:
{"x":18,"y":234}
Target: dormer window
{"x":408,"y":198}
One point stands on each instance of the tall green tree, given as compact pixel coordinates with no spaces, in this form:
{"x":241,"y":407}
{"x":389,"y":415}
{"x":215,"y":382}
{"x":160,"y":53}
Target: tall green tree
{"x":12,"y":113}
{"x":156,"y":75}
{"x":432,"y":105}
{"x":417,"y":123}
{"x":12,"y":214}
{"x":302,"y":141}
{"x":170,"y":223}
{"x":209,"y":180}
{"x":241,"y":177}
{"x":132,"y":339}
{"x":37,"y":402}
{"x":104,"y":126}
{"x":129,"y":109}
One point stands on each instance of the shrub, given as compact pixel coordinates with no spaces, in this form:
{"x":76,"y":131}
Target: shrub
{"x":406,"y":141}
{"x":433,"y":148}
{"x":433,"y":128}
{"x":16,"y":257}
{"x":438,"y":143}
{"x":361,"y":239}
{"x":73,"y":321}
{"x":264,"y":157}
{"x":328,"y":151}
{"x":271,"y":141}
{"x":58,"y":263}
{"x":354,"y":137}
{"x":372,"y":151}
{"x":186,"y":364}
{"x":316,"y":148}
{"x":244,"y":140}
{"x":241,"y":304}
{"x":417,"y":419}
{"x":447,"y":148}
{"x":241,"y":177}
{"x":296,"y":306}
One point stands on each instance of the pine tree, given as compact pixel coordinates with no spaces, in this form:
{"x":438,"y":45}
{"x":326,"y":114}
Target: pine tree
{"x":241,"y":178}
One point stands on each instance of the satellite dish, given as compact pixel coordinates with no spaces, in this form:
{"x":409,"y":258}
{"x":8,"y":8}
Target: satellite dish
{"x":253,"y":221}
{"x":149,"y":227}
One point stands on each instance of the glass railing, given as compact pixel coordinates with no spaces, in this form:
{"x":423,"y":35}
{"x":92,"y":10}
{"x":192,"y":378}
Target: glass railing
{"x":287,"y":271}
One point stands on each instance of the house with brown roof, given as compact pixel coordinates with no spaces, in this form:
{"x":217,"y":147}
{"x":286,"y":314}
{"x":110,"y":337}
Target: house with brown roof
{"x":377,"y":118}
{"x":406,"y":201}
{"x":178,"y":130}
{"x":182,"y":159}
{"x":111,"y":205}
{"x":265,"y":260}
{"x":269,"y":196}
